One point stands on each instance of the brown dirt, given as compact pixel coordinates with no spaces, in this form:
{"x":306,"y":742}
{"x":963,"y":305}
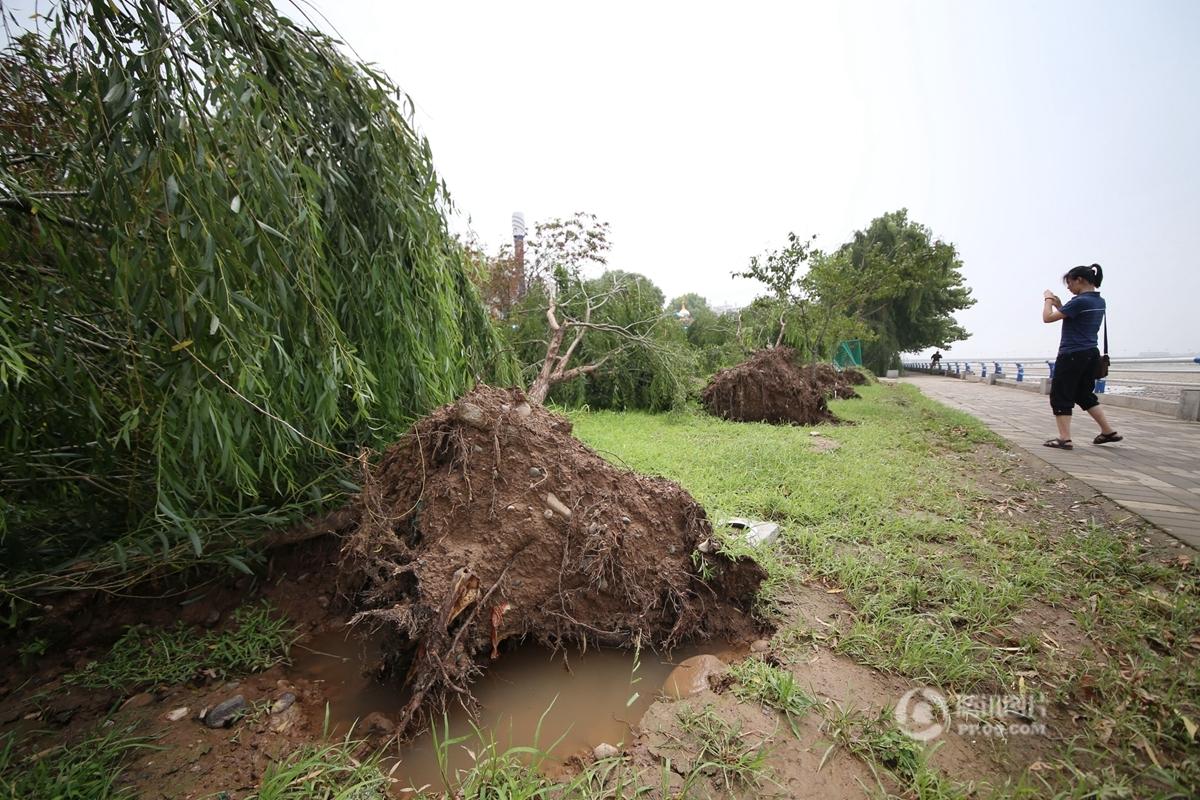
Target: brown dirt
{"x":855,"y":376}
{"x":769,"y":386}
{"x":490,"y":522}
{"x":834,"y":383}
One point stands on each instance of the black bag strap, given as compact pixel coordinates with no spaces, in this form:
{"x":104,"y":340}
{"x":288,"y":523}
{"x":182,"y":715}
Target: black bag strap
{"x":1106,"y":332}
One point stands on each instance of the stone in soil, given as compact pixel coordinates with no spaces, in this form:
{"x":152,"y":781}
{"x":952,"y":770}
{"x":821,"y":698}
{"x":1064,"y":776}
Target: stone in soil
{"x":283,"y":703}
{"x":605,"y":750}
{"x":691,"y":676}
{"x":223,"y":714}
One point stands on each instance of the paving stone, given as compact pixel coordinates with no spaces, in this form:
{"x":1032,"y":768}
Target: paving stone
{"x":1155,"y":471}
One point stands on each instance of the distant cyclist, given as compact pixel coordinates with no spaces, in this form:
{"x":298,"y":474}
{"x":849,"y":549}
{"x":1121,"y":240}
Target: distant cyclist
{"x":935,"y":360}
{"x":1078,"y":354}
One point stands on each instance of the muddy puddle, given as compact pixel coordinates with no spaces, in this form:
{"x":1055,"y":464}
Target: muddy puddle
{"x":579,"y":700}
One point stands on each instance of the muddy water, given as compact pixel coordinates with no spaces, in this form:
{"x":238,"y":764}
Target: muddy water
{"x":590,"y":698}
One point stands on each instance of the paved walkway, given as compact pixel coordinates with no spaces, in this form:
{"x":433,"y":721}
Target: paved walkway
{"x":1154,"y":472}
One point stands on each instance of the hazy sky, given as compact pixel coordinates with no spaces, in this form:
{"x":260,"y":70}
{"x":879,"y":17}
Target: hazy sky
{"x":1034,"y":135}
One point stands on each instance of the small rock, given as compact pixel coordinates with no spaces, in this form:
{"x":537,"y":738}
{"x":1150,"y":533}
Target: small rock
{"x":548,"y":514}
{"x":671,"y":549}
{"x":139,"y":700}
{"x":511,"y":508}
{"x":177,"y":714}
{"x":60,"y":718}
{"x":605,"y":750}
{"x":231,"y":685}
{"x":505,"y":407}
{"x":281,"y":723}
{"x":470,"y":414}
{"x":214,"y":616}
{"x":626,"y":520}
{"x":760,"y":646}
{"x":223,"y":714}
{"x":523,"y":410}
{"x":535,"y":472}
{"x":284,"y":702}
{"x":476,"y":449}
{"x":707,"y":546}
{"x":691,"y":676}
{"x":377,"y":724}
{"x":323,"y":601}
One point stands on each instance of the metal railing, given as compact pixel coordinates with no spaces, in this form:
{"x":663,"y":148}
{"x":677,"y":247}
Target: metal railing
{"x":1032,"y":368}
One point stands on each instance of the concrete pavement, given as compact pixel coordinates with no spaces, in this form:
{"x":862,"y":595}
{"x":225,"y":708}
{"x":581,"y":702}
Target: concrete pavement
{"x":1154,"y":472}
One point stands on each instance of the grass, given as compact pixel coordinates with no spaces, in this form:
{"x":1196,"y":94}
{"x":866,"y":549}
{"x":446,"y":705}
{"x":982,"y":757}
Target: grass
{"x":937,"y":563}
{"x":87,"y":770}
{"x":145,"y":656}
{"x":329,"y":772}
{"x":721,"y":748}
{"x":937,"y":550}
{"x":773,"y":687}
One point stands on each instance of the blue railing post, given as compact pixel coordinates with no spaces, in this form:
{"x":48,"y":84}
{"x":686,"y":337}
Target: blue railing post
{"x":999,"y":370}
{"x":1020,"y":373}
{"x":983,"y":369}
{"x":1100,"y":385}
{"x":1050,"y":364}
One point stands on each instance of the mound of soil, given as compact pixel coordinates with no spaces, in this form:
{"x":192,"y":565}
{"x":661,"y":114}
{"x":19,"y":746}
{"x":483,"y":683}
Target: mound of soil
{"x":856,"y":376}
{"x":490,"y":522}
{"x":767,"y":387}
{"x":832,"y":382}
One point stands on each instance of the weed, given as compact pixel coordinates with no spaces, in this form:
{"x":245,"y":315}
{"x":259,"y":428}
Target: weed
{"x":88,"y":770}
{"x":324,"y":773}
{"x":723,"y":749}
{"x":145,"y":656}
{"x":771,"y":686}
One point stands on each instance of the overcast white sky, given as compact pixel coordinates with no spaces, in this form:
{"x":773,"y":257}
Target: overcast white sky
{"x":1034,"y":135}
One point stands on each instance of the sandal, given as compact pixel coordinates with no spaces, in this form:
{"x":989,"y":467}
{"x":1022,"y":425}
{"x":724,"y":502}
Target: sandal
{"x":1061,"y":444}
{"x":1105,"y":438}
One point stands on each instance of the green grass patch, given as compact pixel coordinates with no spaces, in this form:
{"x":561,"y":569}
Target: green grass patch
{"x":738,"y":759}
{"x":144,"y":656}
{"x":937,"y":568}
{"x":87,"y":770}
{"x":774,"y":687}
{"x":330,"y":772}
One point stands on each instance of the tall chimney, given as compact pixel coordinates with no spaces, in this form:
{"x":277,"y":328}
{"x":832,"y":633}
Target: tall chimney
{"x":518,"y":226}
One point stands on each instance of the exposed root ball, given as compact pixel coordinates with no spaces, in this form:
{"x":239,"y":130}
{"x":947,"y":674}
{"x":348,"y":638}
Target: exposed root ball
{"x":767,"y":387}
{"x":489,"y":521}
{"x":856,"y":376}
{"x":831,"y":381}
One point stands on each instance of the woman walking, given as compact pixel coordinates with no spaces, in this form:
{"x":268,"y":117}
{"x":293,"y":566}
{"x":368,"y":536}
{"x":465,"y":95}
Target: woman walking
{"x":1078,"y":354}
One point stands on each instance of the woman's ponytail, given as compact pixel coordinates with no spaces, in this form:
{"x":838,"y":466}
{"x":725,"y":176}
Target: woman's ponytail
{"x":1093,"y":274}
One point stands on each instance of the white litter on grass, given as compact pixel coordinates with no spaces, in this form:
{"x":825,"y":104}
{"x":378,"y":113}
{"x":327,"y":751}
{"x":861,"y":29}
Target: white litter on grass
{"x":756,"y":531}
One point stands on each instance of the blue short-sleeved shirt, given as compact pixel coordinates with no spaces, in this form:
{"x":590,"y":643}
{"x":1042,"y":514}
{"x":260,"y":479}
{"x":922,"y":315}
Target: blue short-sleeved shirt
{"x":1084,"y":313}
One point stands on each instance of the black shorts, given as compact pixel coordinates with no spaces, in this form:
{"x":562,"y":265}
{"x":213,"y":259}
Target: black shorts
{"x":1074,"y":381}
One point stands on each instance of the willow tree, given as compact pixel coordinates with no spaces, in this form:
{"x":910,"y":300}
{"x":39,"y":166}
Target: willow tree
{"x":226,"y":268}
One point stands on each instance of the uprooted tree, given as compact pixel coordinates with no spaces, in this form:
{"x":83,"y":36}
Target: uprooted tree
{"x":225,"y":264}
{"x":893,"y":285}
{"x":601,"y":340}
{"x":488,"y":522}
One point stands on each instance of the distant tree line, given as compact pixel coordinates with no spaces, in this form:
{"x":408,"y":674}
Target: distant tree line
{"x":893,"y":286}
